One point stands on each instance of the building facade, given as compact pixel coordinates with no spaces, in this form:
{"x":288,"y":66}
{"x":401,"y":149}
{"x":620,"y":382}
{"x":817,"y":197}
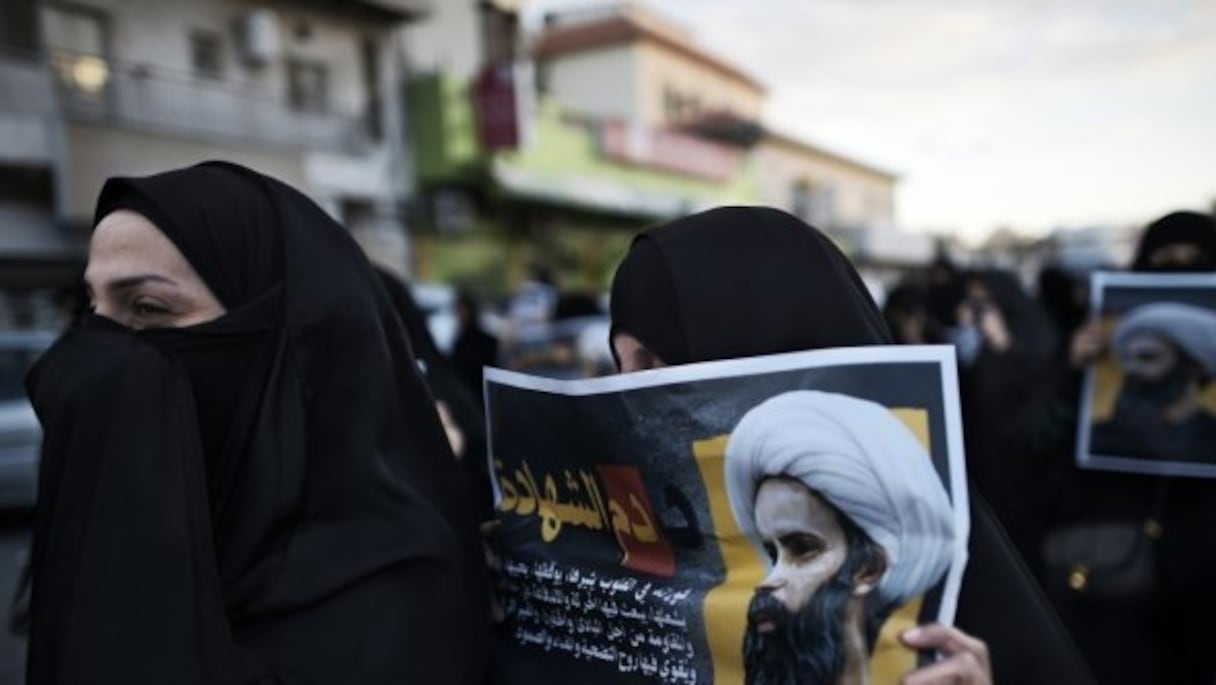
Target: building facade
{"x":609,"y":117}
{"x":627,"y":62}
{"x":307,"y":92}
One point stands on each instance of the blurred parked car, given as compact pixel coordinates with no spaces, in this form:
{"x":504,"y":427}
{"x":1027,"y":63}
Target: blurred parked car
{"x":20,"y":434}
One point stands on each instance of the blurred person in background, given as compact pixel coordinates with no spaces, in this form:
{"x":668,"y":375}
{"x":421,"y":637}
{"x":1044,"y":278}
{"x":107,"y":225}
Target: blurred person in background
{"x":1063,"y":294}
{"x":1142,"y":633}
{"x":474,"y":347}
{"x":460,"y":413}
{"x":244,"y":479}
{"x":944,"y":290}
{"x":535,"y":301}
{"x":789,"y":290}
{"x":1179,"y":241}
{"x":1005,"y":347}
{"x":906,"y":311}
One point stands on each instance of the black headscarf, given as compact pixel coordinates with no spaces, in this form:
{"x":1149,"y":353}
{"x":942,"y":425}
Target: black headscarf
{"x":1174,"y":229}
{"x":736,"y":282}
{"x":323,"y":538}
{"x":747,"y":281}
{"x":1059,"y":296}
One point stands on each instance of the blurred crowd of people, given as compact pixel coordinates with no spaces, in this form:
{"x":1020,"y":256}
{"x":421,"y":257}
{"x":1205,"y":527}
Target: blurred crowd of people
{"x":1021,"y":354}
{"x":302,"y":479}
{"x":1022,"y":349}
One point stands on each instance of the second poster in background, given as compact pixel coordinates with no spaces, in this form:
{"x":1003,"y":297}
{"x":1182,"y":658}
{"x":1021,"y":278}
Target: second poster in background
{"x":1149,"y":403}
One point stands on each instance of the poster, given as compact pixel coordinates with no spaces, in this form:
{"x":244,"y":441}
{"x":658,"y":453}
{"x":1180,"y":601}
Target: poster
{"x":1148,"y":403}
{"x":641,"y":516}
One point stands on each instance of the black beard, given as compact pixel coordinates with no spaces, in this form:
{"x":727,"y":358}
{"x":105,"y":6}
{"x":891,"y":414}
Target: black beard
{"x":1151,"y":398}
{"x":805,"y":647}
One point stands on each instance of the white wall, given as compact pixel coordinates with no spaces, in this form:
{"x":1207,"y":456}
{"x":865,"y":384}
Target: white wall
{"x":447,"y":40}
{"x":603,"y":82}
{"x":716,"y":92}
{"x":96,"y":153}
{"x":156,"y":33}
{"x":860,"y":198}
{"x":245,"y":106}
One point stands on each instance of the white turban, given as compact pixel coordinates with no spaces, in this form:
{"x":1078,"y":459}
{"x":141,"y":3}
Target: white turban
{"x":1191,"y":328}
{"x":861,"y":459}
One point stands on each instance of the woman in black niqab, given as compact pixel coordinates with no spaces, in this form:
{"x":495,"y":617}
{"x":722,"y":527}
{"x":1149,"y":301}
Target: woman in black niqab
{"x":747,"y":281}
{"x":266,"y":497}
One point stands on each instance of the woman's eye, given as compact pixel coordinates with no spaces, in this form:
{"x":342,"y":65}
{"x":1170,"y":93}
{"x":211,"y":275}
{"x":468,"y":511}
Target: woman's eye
{"x":146,"y":308}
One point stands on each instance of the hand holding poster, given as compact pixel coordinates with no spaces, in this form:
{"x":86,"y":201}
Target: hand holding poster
{"x":1149,"y":404}
{"x":770,"y":520}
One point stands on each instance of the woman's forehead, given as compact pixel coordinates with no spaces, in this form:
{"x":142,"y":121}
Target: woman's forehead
{"x":126,"y":242}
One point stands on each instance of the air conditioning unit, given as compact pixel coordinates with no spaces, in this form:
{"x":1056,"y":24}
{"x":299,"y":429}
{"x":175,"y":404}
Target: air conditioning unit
{"x":258,"y":37}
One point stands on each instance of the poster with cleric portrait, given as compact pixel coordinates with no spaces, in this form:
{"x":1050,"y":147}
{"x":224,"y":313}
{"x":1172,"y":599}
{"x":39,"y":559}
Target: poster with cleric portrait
{"x":775,"y":519}
{"x":1149,"y":401}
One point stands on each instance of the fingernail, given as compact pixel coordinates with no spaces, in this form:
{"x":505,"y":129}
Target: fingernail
{"x":912,"y":634}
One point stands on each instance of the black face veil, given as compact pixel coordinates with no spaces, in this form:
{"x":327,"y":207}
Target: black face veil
{"x":268,"y":497}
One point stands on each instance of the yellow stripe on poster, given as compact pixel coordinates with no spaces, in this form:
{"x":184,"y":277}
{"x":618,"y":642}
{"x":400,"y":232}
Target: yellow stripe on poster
{"x":1108,"y":378}
{"x":725,"y":608}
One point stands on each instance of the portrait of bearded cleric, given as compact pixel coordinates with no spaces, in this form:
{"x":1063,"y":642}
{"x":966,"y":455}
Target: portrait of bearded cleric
{"x":1166,"y":352}
{"x":853,"y":521}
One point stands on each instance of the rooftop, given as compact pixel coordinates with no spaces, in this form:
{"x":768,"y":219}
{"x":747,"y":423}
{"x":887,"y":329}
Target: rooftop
{"x":575,"y":32}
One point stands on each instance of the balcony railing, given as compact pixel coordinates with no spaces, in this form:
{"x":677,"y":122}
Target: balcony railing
{"x":152,"y":98}
{"x":24,"y":84}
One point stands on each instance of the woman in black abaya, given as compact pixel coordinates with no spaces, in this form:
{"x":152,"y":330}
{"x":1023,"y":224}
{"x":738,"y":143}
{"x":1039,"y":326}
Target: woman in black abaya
{"x":746,"y":281}
{"x":244,"y":479}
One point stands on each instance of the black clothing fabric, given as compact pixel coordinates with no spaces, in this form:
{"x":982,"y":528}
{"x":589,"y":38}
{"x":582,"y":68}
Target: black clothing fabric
{"x":908,"y":304}
{"x":753,"y":281}
{"x":327,"y":543}
{"x":472,"y":351}
{"x":446,"y":385}
{"x":1000,"y":389}
{"x":474,"y":348}
{"x":1175,"y":229}
{"x":1060,"y":293}
{"x":945,"y":291}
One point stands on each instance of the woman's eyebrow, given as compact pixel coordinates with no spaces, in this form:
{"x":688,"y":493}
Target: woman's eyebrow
{"x":128,"y":282}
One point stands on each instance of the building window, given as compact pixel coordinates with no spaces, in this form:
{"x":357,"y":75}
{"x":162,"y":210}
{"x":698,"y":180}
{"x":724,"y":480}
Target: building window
{"x":373,"y":113}
{"x":801,"y":202}
{"x":206,"y":54}
{"x":19,"y":28}
{"x":499,"y":31}
{"x":679,"y":106}
{"x":814,"y":203}
{"x":824,"y":210}
{"x":308,"y":86}
{"x":76,"y":40}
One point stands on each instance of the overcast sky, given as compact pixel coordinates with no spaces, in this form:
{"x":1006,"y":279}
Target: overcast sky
{"x":1030,"y":114}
